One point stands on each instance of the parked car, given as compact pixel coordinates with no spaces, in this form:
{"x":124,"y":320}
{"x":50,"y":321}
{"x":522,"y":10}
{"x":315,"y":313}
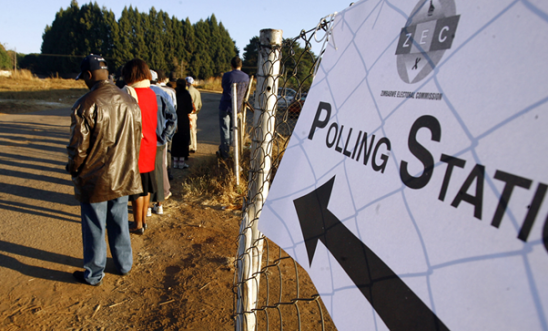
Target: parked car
{"x":289,"y":99}
{"x":297,"y":105}
{"x":285,"y":97}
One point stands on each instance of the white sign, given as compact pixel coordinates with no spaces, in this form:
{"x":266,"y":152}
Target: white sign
{"x":413,"y":190}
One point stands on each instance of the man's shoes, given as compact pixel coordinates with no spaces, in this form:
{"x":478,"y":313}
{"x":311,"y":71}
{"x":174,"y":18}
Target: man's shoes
{"x":79,"y":276}
{"x":149,"y":212}
{"x":183,"y":165}
{"x":159,"y":210}
{"x":192,"y":151}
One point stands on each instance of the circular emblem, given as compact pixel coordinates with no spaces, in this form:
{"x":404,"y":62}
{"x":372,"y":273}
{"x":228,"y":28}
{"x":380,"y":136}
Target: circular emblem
{"x":428,"y":33}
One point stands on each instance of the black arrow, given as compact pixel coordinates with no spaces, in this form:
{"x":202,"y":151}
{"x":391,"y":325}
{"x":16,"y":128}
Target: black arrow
{"x":392,"y":299}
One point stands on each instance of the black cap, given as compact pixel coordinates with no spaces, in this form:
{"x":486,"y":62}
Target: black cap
{"x":90,"y":63}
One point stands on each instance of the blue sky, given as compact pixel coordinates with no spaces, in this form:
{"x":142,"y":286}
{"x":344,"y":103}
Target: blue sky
{"x":23,"y":22}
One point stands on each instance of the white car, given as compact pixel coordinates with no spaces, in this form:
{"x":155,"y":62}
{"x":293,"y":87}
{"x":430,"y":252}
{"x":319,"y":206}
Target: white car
{"x":286,"y":96}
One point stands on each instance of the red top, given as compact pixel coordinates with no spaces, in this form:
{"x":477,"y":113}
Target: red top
{"x":149,"y":117}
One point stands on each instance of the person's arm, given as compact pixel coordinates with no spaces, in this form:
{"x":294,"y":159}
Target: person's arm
{"x":80,"y":135}
{"x":198,"y":102}
{"x":170,"y":115}
{"x":189,"y":104}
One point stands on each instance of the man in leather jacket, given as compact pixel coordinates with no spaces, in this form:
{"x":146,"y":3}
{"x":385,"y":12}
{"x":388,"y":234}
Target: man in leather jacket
{"x":103,"y":151}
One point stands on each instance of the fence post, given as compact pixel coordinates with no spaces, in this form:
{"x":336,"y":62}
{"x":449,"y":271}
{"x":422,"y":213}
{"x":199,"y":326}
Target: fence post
{"x":250,"y":245}
{"x":235,"y":133}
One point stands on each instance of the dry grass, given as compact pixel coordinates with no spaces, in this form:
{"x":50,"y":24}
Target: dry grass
{"x":212,"y":178}
{"x":215,"y":84}
{"x":23,"y":92}
{"x":210,"y":84}
{"x":24,"y":80}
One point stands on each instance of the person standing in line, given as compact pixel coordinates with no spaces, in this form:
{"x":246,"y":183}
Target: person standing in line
{"x":105,"y":138}
{"x":163,"y":81}
{"x":172,"y":80}
{"x":165,"y":129}
{"x":182,"y":137}
{"x":193,"y":117}
{"x":225,"y":106}
{"x":137,"y":76}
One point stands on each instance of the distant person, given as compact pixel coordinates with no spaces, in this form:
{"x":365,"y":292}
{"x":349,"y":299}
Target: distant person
{"x":119,"y":80}
{"x":137,"y":76}
{"x":172,"y":80}
{"x":181,"y":140}
{"x":165,"y":129}
{"x":163,"y":81}
{"x":105,"y":137}
{"x":225,"y":106}
{"x":193,"y":117}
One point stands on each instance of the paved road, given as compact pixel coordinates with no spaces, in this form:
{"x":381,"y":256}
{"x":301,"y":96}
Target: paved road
{"x":40,"y":236}
{"x":208,"y":124}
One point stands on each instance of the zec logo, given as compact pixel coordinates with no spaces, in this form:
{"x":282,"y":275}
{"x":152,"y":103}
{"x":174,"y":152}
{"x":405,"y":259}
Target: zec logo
{"x":429,"y":31}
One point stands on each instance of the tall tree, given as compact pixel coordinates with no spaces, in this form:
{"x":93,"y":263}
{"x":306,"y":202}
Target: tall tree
{"x":75,"y":33}
{"x":216,"y":47}
{"x":169,"y":41}
{"x":201,"y":64}
{"x":251,"y":56}
{"x":178,"y":58}
{"x":154,"y":37}
{"x":229,"y":47}
{"x":122,"y":50}
{"x":297,"y":65}
{"x":189,"y":37}
{"x":139,"y":48}
{"x":59,"y":41}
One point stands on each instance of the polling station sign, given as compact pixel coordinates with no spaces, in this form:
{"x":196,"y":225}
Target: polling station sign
{"x":413,"y":189}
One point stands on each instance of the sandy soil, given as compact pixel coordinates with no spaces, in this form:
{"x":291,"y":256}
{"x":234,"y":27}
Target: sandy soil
{"x":183,"y":265}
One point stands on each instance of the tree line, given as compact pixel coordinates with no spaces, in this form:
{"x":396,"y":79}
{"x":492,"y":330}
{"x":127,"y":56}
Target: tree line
{"x":202,"y":50}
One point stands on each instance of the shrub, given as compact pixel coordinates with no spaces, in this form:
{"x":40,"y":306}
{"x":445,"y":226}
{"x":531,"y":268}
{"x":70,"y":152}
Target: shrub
{"x":5,"y":60}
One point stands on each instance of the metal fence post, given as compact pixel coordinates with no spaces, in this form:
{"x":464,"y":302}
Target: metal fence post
{"x":250,"y":244}
{"x":235,"y":133}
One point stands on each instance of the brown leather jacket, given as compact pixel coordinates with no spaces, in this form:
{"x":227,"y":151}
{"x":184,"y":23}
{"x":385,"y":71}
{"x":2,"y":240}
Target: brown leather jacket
{"x":103,"y":151}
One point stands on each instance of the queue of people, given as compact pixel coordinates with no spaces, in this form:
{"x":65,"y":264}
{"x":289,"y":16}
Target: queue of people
{"x":123,"y":137}
{"x":120,"y":139}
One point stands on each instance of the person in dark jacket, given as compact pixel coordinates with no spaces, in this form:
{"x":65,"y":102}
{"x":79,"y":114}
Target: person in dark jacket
{"x":225,"y":105}
{"x":105,"y":137}
{"x":181,"y":140}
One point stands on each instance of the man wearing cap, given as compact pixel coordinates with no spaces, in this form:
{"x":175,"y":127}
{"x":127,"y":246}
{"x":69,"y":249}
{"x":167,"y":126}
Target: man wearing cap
{"x":197,"y":100}
{"x":103,"y":153}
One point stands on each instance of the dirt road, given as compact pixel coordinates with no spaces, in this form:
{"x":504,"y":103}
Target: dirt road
{"x":182,"y":274}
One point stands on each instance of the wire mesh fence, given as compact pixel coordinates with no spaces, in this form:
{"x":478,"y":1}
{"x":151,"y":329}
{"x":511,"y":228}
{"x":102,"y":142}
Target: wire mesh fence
{"x":271,"y":291}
